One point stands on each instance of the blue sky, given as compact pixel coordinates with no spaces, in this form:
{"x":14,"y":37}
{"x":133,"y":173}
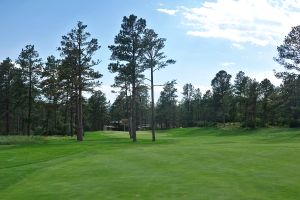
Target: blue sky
{"x":202,"y":36}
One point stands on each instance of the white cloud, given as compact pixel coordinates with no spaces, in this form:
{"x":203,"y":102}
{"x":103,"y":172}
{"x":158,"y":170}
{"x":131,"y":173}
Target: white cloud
{"x":238,"y":46}
{"x":266,"y":74}
{"x":227,"y":64}
{"x":167,"y":11}
{"x":107,"y":90}
{"x":259,"y":22}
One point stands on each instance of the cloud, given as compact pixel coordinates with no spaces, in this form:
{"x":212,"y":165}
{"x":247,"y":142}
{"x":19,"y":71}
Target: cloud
{"x":237,"y":46}
{"x":227,"y":64}
{"x":107,"y":90}
{"x":266,"y":74}
{"x":259,"y":22}
{"x":167,"y":11}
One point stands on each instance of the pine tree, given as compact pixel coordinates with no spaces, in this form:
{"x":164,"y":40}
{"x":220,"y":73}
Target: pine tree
{"x":97,"y":111}
{"x":6,"y":90}
{"x":127,"y":52}
{"x":188,"y":93}
{"x":155,"y":59}
{"x":31,"y":68}
{"x":221,"y":94}
{"x":167,"y":106}
{"x":50,"y":86}
{"x":78,"y":51}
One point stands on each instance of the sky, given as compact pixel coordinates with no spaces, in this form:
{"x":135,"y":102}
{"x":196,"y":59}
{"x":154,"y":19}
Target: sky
{"x":203,"y":36}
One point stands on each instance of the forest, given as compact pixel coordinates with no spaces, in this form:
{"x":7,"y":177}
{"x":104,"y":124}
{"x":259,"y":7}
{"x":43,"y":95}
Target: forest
{"x":61,"y":96}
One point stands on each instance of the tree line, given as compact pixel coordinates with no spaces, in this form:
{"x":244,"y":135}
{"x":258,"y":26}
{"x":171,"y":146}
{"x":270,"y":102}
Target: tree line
{"x":45,"y":98}
{"x":49,"y":98}
{"x":240,"y":99}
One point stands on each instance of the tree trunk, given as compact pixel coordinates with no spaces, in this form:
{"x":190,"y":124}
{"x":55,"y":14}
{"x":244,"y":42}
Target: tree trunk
{"x":47,"y":120}
{"x":66,"y":112}
{"x":71,"y":119}
{"x":55,"y":116}
{"x":79,"y":95}
{"x":29,"y":102}
{"x":133,"y":107}
{"x":152,"y":107}
{"x":76,"y":111}
{"x":7,"y":113}
{"x":18,"y":126}
{"x":127,"y":111}
{"x":22,"y":122}
{"x":79,"y":116}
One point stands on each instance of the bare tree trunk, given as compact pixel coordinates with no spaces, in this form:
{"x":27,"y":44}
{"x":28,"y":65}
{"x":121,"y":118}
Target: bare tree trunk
{"x":66,"y":111}
{"x":79,"y":117}
{"x":71,"y":120}
{"x":55,"y":116}
{"x":18,"y":126}
{"x":127,"y":111}
{"x":22,"y":122}
{"x":152,"y":107}
{"x":29,"y":102}
{"x":47,"y":119}
{"x":79,"y":96}
{"x":7,"y":114}
{"x":133,"y":107}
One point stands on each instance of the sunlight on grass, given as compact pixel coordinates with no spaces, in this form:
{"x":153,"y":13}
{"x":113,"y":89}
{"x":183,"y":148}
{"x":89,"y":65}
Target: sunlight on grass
{"x":194,"y":163}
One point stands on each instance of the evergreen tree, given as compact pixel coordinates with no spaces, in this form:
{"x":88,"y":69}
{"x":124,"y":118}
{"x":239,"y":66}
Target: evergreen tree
{"x":97,"y":111}
{"x":289,"y":58}
{"x":31,"y":68}
{"x":118,"y":110}
{"x":143,"y":107}
{"x":289,"y":51}
{"x":208,"y":109}
{"x":167,"y":106}
{"x":266,"y":90}
{"x":239,"y":89}
{"x":78,"y":51}
{"x":197,"y":105}
{"x":128,"y":54}
{"x":155,"y":59}
{"x":50,"y":86}
{"x":187,"y":109}
{"x":221,"y":94}
{"x":290,"y":100}
{"x":252,"y":92}
{"x":6,"y":90}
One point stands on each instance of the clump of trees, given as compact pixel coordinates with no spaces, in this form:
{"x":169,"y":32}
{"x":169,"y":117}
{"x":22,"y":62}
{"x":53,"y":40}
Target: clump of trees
{"x":136,"y":49}
{"x":48,"y":97}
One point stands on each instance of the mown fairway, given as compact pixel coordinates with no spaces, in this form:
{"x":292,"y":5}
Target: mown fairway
{"x":189,"y":164}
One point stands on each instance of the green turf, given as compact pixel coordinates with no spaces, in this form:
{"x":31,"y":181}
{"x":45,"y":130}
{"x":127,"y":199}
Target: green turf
{"x":195,"y":163}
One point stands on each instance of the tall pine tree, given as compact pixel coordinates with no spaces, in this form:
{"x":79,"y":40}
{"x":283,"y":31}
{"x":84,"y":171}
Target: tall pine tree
{"x":78,"y":50}
{"x":31,"y":68}
{"x":127,"y":52}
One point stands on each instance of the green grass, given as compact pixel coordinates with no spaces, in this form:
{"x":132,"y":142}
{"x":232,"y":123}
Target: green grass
{"x":12,"y":139}
{"x":195,"y":163}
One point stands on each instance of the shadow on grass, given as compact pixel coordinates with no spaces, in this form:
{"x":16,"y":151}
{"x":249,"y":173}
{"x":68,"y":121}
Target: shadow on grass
{"x":127,"y":141}
{"x":223,"y":132}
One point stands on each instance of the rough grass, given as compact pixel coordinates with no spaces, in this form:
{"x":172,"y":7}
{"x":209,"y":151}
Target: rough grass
{"x":17,"y":139}
{"x":195,"y":163}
